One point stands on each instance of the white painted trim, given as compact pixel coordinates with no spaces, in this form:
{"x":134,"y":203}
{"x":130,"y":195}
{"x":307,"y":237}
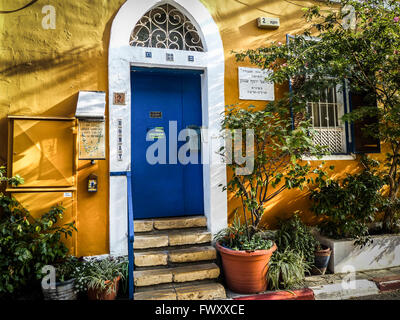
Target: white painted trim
{"x":351,"y":156}
{"x":121,"y":57}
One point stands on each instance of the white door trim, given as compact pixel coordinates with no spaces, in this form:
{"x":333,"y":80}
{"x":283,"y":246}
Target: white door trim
{"x":121,"y":57}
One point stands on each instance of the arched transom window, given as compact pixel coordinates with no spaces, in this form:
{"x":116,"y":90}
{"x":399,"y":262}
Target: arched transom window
{"x":168,"y":28}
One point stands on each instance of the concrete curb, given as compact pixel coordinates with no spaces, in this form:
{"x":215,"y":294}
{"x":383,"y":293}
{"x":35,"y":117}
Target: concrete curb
{"x":387,"y":283}
{"x":301,"y":294}
{"x":342,"y":291}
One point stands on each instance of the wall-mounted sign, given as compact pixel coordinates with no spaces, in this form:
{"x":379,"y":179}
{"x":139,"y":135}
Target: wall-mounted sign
{"x":119,"y":140}
{"x":92,"y":140}
{"x":268,"y":23}
{"x":155,"y":114}
{"x":119,"y":98}
{"x":253,"y":86}
{"x":155,"y":133}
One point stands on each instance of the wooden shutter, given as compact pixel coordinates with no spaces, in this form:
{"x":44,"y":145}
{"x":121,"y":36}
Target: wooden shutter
{"x":363,"y":143}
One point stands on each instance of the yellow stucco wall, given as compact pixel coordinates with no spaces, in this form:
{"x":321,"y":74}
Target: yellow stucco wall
{"x":41,"y":72}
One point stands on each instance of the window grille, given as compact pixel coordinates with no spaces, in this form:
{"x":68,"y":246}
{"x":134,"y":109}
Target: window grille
{"x":325,"y":117}
{"x":168,"y":28}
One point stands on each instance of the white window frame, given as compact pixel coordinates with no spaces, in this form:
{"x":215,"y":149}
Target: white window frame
{"x":342,"y":98}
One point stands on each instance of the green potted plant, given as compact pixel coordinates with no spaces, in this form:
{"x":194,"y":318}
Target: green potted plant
{"x":322,"y":256}
{"x":293,"y":234}
{"x":65,"y":281}
{"x":270,"y":167}
{"x":27,"y":243}
{"x":346,"y":208}
{"x":100,"y":277}
{"x":287,"y":269}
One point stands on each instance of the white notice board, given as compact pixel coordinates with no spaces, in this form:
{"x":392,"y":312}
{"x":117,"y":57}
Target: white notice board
{"x":252,"y":84}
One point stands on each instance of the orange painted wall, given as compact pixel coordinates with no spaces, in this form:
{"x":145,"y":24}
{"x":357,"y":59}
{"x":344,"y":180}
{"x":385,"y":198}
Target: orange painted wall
{"x":41,"y":72}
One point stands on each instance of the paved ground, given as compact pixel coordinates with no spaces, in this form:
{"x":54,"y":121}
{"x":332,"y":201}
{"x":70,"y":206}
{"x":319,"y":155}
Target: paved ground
{"x":331,"y":286}
{"x":392,"y":295}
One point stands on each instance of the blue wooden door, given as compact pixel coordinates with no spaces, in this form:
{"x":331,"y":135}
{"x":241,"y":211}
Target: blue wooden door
{"x":162,"y":100}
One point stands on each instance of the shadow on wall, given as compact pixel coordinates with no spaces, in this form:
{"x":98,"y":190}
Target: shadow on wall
{"x":43,"y":74}
{"x":289,"y":201}
{"x":40,"y":152}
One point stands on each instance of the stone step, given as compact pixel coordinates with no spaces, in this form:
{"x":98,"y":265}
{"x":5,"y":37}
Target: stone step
{"x":176,"y":275}
{"x":192,"y":291}
{"x":148,"y":225}
{"x":164,"y":257}
{"x":171,"y":238}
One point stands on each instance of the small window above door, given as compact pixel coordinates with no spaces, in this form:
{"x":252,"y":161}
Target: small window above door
{"x":166,"y":27}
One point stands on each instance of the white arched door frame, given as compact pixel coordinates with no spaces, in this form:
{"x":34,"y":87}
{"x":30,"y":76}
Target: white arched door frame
{"x":122,"y":57}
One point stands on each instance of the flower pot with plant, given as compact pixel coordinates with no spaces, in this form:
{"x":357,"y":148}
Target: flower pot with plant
{"x":27,"y":243}
{"x":269,"y":167}
{"x":322,"y":256}
{"x":101,"y":278}
{"x":293,"y":234}
{"x":287,"y":270}
{"x":65,"y":281}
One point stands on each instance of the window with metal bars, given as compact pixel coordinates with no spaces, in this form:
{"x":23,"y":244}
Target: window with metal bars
{"x":325,"y":115}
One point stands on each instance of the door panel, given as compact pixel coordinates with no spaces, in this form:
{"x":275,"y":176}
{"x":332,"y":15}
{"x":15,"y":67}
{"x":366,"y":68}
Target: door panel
{"x":38,"y":203}
{"x":42,"y":152}
{"x":193,"y":173}
{"x":161,"y":101}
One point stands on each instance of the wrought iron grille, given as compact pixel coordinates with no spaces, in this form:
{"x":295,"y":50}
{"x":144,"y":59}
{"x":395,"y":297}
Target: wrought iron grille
{"x":325,"y":118}
{"x":166,"y":27}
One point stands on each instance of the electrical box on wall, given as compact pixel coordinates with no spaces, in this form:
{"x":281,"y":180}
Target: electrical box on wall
{"x":268,"y":23}
{"x":92,"y":183}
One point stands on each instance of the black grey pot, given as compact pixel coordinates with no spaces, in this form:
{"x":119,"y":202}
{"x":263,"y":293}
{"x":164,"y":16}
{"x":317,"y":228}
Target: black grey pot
{"x":321,"y":261}
{"x":64,"y":291}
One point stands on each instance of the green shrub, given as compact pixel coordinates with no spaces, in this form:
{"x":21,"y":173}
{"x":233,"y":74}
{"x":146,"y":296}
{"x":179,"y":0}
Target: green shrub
{"x":27,"y":244}
{"x":347,"y":206}
{"x":286,"y":270}
{"x":66,"y":270}
{"x":293,"y":234}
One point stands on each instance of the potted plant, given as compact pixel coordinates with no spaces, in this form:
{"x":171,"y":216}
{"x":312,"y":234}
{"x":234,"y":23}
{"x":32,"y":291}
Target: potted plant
{"x":287,"y":269}
{"x":244,"y":260}
{"x":322,"y":255}
{"x":101,"y":278}
{"x":269,"y":167}
{"x":347,"y":207}
{"x":345,"y":47}
{"x":293,"y":234}
{"x":65,"y":281}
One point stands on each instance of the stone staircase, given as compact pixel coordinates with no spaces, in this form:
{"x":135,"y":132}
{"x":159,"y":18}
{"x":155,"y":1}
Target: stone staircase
{"x":174,"y":260}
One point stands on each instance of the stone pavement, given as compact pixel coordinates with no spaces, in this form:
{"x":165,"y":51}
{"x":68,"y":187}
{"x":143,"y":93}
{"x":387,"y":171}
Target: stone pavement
{"x":337,"y":286}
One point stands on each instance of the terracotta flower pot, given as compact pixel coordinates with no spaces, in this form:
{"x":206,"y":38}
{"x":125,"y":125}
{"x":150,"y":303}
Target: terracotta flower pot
{"x":96,"y":294}
{"x":245,"y":272}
